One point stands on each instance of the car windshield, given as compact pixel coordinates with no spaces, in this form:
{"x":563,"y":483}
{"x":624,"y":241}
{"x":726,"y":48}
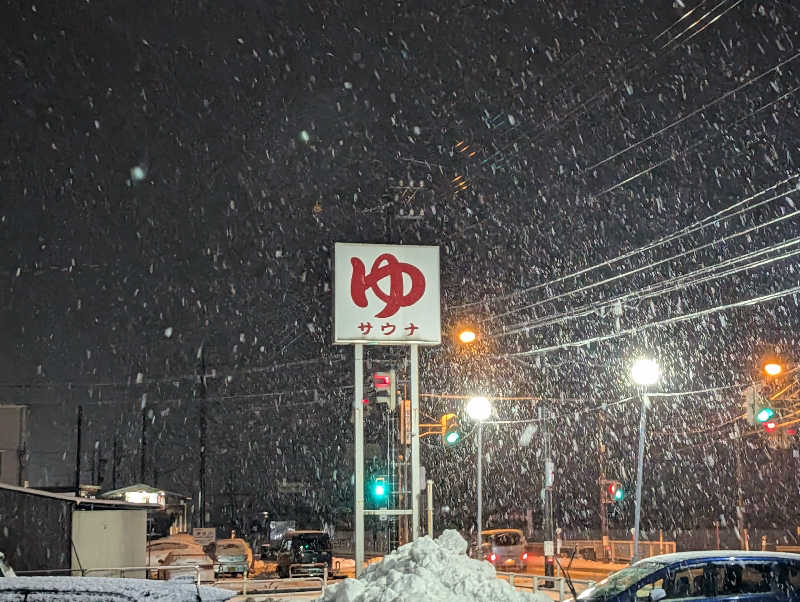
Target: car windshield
{"x":312,"y":541}
{"x":231,"y":548}
{"x":620,"y":581}
{"x":504,"y":539}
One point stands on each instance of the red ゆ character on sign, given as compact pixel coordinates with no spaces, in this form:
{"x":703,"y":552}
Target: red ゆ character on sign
{"x":386,"y":266}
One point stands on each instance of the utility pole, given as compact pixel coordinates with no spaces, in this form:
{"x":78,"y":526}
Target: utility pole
{"x":143,"y":446}
{"x":78,"y":454}
{"x":548,"y":524}
{"x":114,"y":464}
{"x":203,"y":426}
{"x":739,"y":496}
{"x":603,"y":499}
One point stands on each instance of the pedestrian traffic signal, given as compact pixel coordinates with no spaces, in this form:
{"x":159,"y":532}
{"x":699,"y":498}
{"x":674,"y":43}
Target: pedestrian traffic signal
{"x":385,"y":386}
{"x":615,"y":492}
{"x":451,"y":433}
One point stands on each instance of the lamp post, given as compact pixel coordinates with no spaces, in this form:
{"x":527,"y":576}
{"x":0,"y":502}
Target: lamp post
{"x":479,"y":409}
{"x":644,"y":372}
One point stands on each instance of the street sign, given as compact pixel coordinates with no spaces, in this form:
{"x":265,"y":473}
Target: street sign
{"x":386,"y":294}
{"x":204,"y":535}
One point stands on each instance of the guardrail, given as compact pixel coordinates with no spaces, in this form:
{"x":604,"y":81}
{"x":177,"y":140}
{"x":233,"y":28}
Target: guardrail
{"x":538,"y":582}
{"x":278,"y":587}
{"x":620,"y":550}
{"x":121,"y":570}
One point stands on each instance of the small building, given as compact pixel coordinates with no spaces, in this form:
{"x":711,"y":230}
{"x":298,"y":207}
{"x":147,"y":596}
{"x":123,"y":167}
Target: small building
{"x":51,"y":531}
{"x":168,"y":518}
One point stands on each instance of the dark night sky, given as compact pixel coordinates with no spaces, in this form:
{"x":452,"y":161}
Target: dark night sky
{"x":267,"y":131}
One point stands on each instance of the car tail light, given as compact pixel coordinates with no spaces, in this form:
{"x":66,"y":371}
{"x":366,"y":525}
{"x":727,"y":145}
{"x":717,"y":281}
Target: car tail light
{"x":550,"y":560}
{"x":493,"y":557}
{"x":525,"y":556}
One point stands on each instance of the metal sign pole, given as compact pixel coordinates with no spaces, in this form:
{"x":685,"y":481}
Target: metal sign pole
{"x":358,"y":411}
{"x":415,"y":462}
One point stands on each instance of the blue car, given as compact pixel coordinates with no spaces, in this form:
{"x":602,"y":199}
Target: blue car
{"x":719,"y":576}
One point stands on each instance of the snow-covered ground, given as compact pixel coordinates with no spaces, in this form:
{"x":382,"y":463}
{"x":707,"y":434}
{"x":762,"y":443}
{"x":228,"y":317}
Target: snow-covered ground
{"x":429,"y":570}
{"x":79,"y":589}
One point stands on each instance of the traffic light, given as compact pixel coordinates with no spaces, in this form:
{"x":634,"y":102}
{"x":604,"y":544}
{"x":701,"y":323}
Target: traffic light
{"x":770,"y":426}
{"x":379,"y":487}
{"x":615,"y":492}
{"x":757,"y":410}
{"x":451,"y":435}
{"x":764,"y":414}
{"x":385,"y":386}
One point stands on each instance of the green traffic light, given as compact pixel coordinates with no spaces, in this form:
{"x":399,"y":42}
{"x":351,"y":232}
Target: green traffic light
{"x":619,"y":494}
{"x":452,"y":437}
{"x":380,"y":490}
{"x":765,"y":414}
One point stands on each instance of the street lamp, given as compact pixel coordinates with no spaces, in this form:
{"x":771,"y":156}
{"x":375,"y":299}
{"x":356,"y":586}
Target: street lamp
{"x":773,"y":368}
{"x":467,"y":336}
{"x":644,"y":372}
{"x":479,"y":409}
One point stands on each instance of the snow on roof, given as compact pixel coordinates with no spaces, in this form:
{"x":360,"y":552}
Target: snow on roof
{"x":78,"y":501}
{"x":140,"y":487}
{"x":733,"y":554}
{"x":75,"y":589}
{"x":434,"y":570}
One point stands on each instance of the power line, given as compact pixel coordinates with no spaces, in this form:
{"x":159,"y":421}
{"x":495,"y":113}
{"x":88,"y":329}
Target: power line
{"x":612,"y":86}
{"x":704,"y":107}
{"x":649,"y":266}
{"x":691,"y":147}
{"x":667,"y":322}
{"x":657,"y":289}
{"x":689,"y":229}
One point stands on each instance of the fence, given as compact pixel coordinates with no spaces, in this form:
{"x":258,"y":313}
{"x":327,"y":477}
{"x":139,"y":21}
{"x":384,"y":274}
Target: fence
{"x":119,"y":570}
{"x":268,"y":587}
{"x":620,"y":550}
{"x":538,"y":583}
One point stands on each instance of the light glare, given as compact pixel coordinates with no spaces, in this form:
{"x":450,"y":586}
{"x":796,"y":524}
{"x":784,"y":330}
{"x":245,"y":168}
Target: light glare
{"x":644,"y":372}
{"x":479,"y":408}
{"x":773,"y":369}
{"x":467,"y":336}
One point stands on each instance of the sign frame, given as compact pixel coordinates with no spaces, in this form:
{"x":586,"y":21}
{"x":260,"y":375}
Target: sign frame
{"x":399,"y":261}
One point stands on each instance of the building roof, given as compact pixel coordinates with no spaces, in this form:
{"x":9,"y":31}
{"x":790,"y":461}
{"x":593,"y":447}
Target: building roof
{"x":120,"y":493}
{"x":85,"y":502}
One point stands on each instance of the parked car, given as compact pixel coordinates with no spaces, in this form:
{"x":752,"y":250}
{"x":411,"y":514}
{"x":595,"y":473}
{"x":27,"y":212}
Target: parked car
{"x":304,"y":548}
{"x":720,"y":576}
{"x":232,"y":557}
{"x":105,"y":589}
{"x":5,"y":568}
{"x":505,"y":548}
{"x":184,"y":563}
{"x":159,"y":549}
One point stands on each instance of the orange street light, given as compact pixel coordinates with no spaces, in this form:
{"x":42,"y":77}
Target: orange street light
{"x":467,"y":336}
{"x":773,"y":368}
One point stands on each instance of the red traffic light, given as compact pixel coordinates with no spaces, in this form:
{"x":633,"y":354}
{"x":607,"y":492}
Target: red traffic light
{"x":770,"y":426}
{"x":615,"y":492}
{"x":381,"y":380}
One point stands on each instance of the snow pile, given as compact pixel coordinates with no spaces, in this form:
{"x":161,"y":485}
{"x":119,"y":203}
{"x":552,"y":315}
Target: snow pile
{"x":430,"y":570}
{"x":80,"y":589}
